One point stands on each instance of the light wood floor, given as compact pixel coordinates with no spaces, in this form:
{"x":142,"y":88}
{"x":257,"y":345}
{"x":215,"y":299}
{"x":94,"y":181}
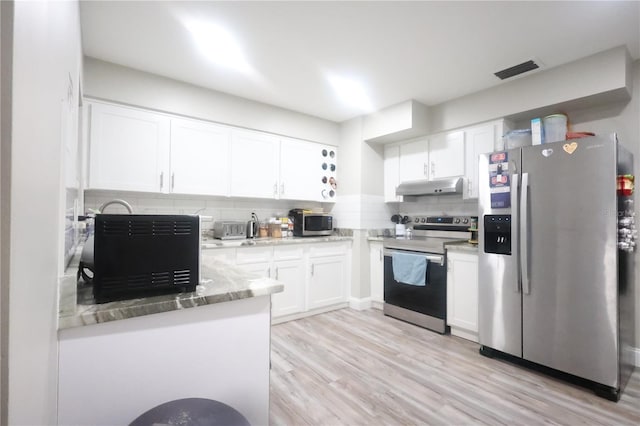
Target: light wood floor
{"x":361,"y":368}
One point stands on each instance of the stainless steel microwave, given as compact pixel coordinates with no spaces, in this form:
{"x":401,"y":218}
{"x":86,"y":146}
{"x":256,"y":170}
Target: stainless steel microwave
{"x":306,"y":224}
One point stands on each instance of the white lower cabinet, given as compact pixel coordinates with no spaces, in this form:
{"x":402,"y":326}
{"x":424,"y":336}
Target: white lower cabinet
{"x":376,"y":272}
{"x":328,"y":275}
{"x":314,"y":275}
{"x":462,"y":294}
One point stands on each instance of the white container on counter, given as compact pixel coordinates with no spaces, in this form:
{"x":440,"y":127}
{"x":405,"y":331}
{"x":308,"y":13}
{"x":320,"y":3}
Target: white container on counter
{"x":555,"y":128}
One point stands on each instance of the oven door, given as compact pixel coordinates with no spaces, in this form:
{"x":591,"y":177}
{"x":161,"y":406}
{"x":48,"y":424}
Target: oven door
{"x":422,"y":305}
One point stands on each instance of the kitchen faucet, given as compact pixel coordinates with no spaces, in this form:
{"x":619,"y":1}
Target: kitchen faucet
{"x":116,"y":201}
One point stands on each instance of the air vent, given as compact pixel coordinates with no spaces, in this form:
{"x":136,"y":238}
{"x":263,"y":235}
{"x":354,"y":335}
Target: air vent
{"x":182,"y":277}
{"x":115,"y":227}
{"x":530,"y":65}
{"x":159,"y":279}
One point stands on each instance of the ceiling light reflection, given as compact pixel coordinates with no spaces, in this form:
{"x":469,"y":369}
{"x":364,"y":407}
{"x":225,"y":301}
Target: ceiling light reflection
{"x":218,"y":45}
{"x":351,"y":92}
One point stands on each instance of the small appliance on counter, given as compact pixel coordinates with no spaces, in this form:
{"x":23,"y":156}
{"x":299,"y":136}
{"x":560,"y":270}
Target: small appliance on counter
{"x":229,"y":230}
{"x":253,"y":226}
{"x":144,"y":255}
{"x":309,"y":224}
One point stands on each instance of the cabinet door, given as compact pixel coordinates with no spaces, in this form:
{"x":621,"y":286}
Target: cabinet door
{"x":291,"y":273}
{"x":414,"y":159}
{"x":446,"y":155}
{"x":327,"y":283}
{"x":129,"y":149}
{"x":376,"y":271}
{"x":301,"y":170}
{"x":462,"y":292}
{"x":199,"y":158}
{"x":254,"y":164}
{"x":391,"y":173}
{"x":480,"y":140}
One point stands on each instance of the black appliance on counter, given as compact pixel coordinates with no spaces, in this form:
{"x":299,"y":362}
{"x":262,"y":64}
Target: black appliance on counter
{"x":145,"y":255}
{"x":309,"y":224}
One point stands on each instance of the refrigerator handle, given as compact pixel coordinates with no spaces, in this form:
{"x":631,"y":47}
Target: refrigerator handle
{"x":515,"y":225}
{"x":524,"y":225}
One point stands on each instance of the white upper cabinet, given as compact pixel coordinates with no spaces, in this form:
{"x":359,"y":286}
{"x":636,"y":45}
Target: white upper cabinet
{"x":254,"y":164}
{"x":200,"y":158}
{"x":414,"y":160}
{"x":391,"y":173}
{"x":480,"y":140}
{"x":307,"y":171}
{"x":446,"y":154}
{"x":129,"y":149}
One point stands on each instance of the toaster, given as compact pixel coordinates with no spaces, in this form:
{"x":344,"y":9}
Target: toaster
{"x":229,"y":230}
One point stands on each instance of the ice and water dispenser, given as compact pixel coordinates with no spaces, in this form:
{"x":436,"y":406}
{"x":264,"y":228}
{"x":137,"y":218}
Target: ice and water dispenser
{"x":497,"y":234}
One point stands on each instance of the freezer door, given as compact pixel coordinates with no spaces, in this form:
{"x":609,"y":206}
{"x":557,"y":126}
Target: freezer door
{"x":499,"y":297}
{"x":570,"y":298}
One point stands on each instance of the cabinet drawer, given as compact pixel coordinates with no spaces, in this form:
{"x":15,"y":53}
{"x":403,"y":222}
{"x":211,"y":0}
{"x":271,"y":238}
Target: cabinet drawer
{"x":288,"y":253}
{"x":253,"y":255}
{"x":329,"y":249}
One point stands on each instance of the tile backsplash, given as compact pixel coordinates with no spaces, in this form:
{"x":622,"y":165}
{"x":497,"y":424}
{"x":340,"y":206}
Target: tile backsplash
{"x":217,"y":208}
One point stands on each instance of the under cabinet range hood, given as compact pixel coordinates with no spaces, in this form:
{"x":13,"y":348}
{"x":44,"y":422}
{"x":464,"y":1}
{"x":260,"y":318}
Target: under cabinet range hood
{"x":431,"y":187}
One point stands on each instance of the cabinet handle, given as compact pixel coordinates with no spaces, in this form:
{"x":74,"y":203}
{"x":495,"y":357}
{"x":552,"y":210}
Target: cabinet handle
{"x":275,"y":188}
{"x":276,"y":272}
{"x":161,"y":180}
{"x":380,"y":254}
{"x":426,"y":170}
{"x":312,"y":269}
{"x":433,"y":168}
{"x":282,"y":188}
{"x":173,"y":180}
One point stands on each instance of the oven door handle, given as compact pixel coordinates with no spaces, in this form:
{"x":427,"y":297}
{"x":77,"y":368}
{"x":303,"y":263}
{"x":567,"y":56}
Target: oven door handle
{"x":430,"y":257}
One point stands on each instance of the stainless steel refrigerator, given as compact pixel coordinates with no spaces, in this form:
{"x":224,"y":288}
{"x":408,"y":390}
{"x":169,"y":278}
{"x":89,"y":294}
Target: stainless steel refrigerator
{"x":556,"y":269}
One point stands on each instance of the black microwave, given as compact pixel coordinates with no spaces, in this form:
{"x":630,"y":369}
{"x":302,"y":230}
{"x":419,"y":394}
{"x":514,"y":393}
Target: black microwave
{"x":145,"y":255}
{"x":307,"y":224}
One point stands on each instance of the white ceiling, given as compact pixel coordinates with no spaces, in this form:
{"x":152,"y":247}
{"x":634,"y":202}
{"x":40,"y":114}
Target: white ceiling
{"x":428,"y":51}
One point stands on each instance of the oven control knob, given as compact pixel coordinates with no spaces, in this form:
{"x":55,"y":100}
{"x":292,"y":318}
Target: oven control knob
{"x":456,"y":220}
{"x":423,"y":220}
{"x":465,"y":220}
{"x":416,"y":220}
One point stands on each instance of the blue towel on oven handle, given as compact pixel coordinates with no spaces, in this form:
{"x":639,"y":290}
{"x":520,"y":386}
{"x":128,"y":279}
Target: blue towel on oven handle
{"x":409,"y":268}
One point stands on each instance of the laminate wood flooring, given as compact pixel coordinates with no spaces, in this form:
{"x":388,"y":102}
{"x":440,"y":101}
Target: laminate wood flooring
{"x":350,"y":367}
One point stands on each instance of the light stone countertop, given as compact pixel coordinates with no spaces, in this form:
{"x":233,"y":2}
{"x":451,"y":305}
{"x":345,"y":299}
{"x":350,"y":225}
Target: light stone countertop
{"x":219,"y":282}
{"x":462,"y":246}
{"x":211,"y":243}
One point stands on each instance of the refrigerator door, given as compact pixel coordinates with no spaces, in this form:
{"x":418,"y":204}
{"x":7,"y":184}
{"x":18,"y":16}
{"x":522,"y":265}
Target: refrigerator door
{"x":499,"y":301}
{"x":569,"y":303}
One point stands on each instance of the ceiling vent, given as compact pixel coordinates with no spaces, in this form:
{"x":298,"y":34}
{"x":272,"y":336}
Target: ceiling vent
{"x":530,"y":65}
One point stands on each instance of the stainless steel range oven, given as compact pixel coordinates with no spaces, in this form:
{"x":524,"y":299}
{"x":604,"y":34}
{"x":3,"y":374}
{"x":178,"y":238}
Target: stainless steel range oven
{"x":423,"y":303}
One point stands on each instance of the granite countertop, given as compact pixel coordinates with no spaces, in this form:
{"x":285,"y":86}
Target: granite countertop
{"x":462,"y":246}
{"x":259,"y":242}
{"x":219,"y":282}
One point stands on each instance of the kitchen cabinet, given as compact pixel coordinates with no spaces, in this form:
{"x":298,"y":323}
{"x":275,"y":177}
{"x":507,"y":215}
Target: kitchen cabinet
{"x":391,"y":173}
{"x":289,"y":267}
{"x":315,"y":275}
{"x":480,"y":140}
{"x":285,"y":264}
{"x":306,"y":170}
{"x":327,"y":275}
{"x":376,"y":273}
{"x":129,"y":149}
{"x":414,"y":160}
{"x":462,"y":294}
{"x":254,"y":164}
{"x":446,"y":154}
{"x":200,"y":158}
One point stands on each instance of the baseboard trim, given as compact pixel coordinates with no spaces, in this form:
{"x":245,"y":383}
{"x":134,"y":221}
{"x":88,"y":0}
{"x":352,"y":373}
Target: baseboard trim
{"x":293,"y":317}
{"x":360,"y":304}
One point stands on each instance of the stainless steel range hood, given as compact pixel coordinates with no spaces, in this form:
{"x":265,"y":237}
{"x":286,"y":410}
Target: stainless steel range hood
{"x":431,"y":187}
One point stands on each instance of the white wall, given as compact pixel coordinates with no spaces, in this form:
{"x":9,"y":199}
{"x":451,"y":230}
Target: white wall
{"x":6,"y":39}
{"x":46,"y":54}
{"x":108,"y":81}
